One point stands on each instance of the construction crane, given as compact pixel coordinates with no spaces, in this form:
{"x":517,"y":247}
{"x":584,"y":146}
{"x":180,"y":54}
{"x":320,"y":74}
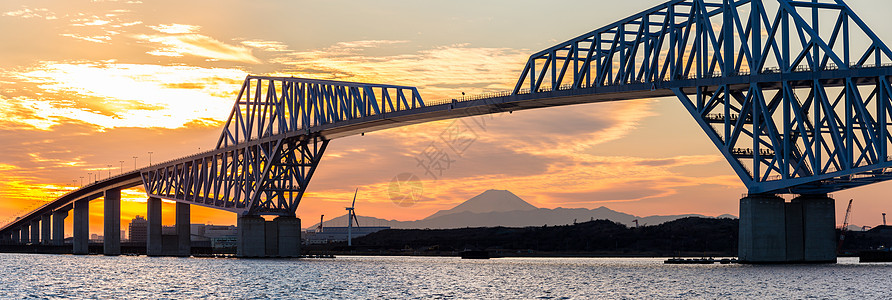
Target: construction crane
{"x":845,"y":227}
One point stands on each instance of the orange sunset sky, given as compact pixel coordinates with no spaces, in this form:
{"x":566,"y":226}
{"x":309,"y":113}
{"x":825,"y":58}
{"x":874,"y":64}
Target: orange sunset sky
{"x":86,"y":86}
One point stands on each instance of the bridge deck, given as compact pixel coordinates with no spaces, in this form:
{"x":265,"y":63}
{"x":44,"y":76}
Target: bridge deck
{"x":478,"y":106}
{"x":88,"y":192}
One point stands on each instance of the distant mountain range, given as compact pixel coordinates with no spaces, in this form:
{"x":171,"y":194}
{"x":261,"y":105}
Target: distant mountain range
{"x":503,"y":208}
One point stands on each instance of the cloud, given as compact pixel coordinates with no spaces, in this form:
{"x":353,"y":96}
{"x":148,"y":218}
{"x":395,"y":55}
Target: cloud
{"x":102,"y":39}
{"x":438,"y":71}
{"x":118,"y":95}
{"x":365,"y":44}
{"x":94,"y":21}
{"x":176,"y":28}
{"x":272,"y":46}
{"x":197,"y":45}
{"x":27,"y":13}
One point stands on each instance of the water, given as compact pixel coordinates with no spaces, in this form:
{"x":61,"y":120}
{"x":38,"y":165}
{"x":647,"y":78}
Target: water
{"x":66,"y":276}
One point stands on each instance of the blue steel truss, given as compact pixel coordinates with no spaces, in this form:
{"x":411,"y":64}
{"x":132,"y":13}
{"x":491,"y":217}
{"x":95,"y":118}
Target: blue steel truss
{"x":797,"y":108}
{"x":795,"y":94}
{"x":272,"y":143}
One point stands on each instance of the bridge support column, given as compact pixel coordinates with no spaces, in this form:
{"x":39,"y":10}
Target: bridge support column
{"x":35,"y":231}
{"x":153,"y":232}
{"x":251,"y":236}
{"x":112,"y":226}
{"x":81,"y":227}
{"x":59,"y":227}
{"x":818,"y":228}
{"x":773,"y":231}
{"x":183,"y":227}
{"x":16,"y":236}
{"x":26,"y":234}
{"x":45,"y":229}
{"x":260,"y":238}
{"x":271,"y":239}
{"x":289,"y":236}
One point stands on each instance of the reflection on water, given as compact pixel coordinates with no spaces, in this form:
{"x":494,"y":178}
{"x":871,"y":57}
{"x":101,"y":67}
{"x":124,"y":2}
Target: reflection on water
{"x":66,"y":276}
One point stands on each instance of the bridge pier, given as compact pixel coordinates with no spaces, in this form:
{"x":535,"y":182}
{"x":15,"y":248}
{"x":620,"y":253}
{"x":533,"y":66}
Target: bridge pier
{"x":260,"y":238}
{"x":183,"y":228}
{"x":155,"y":244}
{"x":81,"y":227}
{"x":251,"y":237}
{"x":775,"y":231}
{"x":26,"y":234}
{"x":288,"y":229}
{"x":59,"y":227}
{"x":16,"y":237}
{"x":45,"y":229}
{"x":153,"y":232}
{"x":112,"y":227}
{"x":818,"y":228}
{"x":35,"y":231}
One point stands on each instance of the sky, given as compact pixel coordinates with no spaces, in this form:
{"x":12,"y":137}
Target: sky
{"x":90,"y":88}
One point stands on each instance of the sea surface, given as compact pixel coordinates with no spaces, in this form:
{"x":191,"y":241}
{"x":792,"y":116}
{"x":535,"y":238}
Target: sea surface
{"x":38,"y":276}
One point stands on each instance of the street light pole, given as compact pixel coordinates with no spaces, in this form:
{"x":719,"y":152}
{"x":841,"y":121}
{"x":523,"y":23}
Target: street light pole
{"x":109,"y":171}
{"x":134,"y":162}
{"x":82,"y":180}
{"x":122,"y":167}
{"x":150,"y":158}
{"x":90,"y":177}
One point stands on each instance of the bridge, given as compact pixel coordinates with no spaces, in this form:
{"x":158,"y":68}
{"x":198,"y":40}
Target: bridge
{"x":794,"y":94}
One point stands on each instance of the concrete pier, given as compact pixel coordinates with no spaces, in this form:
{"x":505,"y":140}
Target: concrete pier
{"x":261,"y":238}
{"x":289,"y":236}
{"x":26,"y":234}
{"x":183,"y":228}
{"x":35,"y":231}
{"x":59,"y":227}
{"x":251,"y":237}
{"x":774,"y":231}
{"x":45,"y":229}
{"x":81,"y":227}
{"x":153,"y":234}
{"x":271,"y":239}
{"x":16,"y":236}
{"x":819,"y":228}
{"x":112,"y":225}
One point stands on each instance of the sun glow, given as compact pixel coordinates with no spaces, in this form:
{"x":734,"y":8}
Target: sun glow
{"x":128,"y":95}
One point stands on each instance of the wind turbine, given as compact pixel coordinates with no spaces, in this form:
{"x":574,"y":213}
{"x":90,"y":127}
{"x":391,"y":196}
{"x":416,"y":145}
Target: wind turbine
{"x":351,"y":216}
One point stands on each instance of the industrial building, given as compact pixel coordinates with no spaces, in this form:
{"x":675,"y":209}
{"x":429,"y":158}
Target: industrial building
{"x":336,"y":234}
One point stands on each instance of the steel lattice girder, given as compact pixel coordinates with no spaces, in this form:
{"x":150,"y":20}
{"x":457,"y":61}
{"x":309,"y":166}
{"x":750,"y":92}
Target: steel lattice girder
{"x":271,"y":106}
{"x":272,"y":143}
{"x":690,"y":39}
{"x":252,"y":178}
{"x":815,"y":136}
{"x":819,"y":96}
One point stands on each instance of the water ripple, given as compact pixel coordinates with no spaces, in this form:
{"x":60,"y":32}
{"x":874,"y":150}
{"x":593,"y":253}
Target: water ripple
{"x":34,"y":276}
